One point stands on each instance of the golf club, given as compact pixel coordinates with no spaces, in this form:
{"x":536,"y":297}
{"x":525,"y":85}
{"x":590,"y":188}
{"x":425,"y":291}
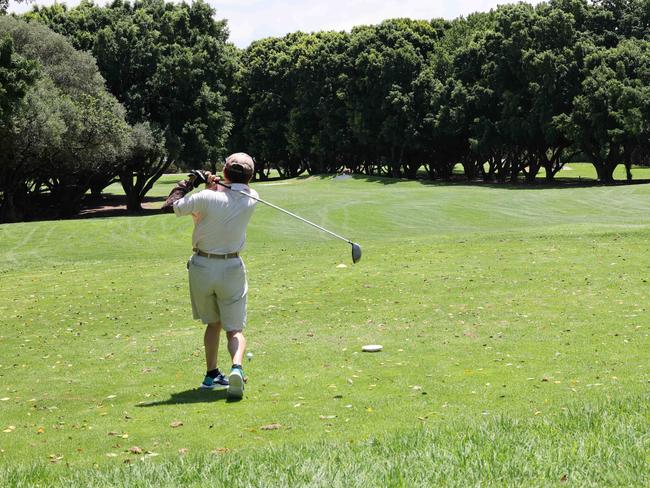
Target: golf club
{"x":356,"y":248}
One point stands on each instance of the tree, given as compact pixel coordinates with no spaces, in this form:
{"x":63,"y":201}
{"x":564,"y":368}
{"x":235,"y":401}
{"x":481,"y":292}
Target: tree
{"x":169,"y":64}
{"x":386,"y":59}
{"x":263,"y":99}
{"x":317,"y":130}
{"x":610,"y":117}
{"x":143,"y":164}
{"x":17,"y":75}
{"x":68,"y":129}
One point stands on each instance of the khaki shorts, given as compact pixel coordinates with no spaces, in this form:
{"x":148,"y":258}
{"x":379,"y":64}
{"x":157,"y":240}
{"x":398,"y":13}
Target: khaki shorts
{"x":218,"y":290}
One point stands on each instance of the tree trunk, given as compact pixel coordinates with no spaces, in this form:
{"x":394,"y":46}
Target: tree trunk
{"x":133,"y":202}
{"x":469,"y":167}
{"x":8,"y":210}
{"x":605,"y":172}
{"x":628,"y":166}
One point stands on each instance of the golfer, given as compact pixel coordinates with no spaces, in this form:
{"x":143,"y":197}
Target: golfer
{"x":217,"y":276}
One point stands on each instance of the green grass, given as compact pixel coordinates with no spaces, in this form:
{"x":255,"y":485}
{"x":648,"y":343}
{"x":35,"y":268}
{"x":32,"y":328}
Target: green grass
{"x":583,"y":172}
{"x":513,"y":320}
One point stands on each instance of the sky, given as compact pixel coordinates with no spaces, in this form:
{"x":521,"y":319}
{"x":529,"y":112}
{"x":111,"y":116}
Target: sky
{"x":249,"y":20}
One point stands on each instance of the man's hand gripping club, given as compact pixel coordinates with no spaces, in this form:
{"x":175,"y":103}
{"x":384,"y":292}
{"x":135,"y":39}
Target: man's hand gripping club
{"x":195,"y":178}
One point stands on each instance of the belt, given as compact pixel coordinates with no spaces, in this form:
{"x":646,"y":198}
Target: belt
{"x":230,"y":255}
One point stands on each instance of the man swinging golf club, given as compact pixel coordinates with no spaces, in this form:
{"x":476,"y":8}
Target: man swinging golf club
{"x":217,"y":276}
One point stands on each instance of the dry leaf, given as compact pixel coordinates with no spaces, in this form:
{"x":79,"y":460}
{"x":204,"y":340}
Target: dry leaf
{"x":41,"y":430}
{"x":183,"y":450}
{"x":271,"y":427}
{"x":54,"y":458}
{"x":326,"y":417}
{"x":220,"y":450}
{"x":176,"y":423}
{"x":111,"y":454}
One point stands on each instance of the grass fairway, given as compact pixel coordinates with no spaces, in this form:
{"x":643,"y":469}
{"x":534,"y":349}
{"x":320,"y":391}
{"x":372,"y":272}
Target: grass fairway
{"x":514,"y":322}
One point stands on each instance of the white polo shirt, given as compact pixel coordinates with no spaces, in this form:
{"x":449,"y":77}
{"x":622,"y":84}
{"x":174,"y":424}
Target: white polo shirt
{"x":220,"y":218}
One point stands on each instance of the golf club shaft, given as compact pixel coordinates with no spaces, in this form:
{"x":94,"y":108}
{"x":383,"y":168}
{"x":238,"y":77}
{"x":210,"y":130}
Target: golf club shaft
{"x":287,"y":212}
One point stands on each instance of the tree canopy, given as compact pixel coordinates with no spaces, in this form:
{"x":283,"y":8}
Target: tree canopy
{"x":66,"y":127}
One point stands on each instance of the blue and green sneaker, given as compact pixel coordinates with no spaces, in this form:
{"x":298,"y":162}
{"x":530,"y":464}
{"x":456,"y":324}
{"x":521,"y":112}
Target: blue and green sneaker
{"x":236,"y":382}
{"x":214,"y":380}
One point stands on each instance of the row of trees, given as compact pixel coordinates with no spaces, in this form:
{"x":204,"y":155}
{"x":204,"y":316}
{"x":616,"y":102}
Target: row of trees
{"x":94,"y":94}
{"x":504,"y":93}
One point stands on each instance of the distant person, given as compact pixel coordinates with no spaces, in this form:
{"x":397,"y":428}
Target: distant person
{"x":344,"y":174}
{"x":217,"y":276}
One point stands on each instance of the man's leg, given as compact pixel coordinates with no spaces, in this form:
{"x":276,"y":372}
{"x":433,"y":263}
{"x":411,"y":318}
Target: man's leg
{"x":211,"y":343}
{"x":236,"y":347}
{"x":213,"y":377}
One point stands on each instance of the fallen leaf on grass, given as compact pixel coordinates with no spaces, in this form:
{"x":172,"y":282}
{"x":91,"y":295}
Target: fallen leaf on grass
{"x":326,"y":417}
{"x":183,"y":450}
{"x":110,"y":397}
{"x":220,"y":450}
{"x":111,"y":454}
{"x":54,"y":458}
{"x":4,"y":399}
{"x":40,"y":430}
{"x":271,"y":427}
{"x":176,"y":423}
{"x":9,"y":429}
{"x":135,"y":450}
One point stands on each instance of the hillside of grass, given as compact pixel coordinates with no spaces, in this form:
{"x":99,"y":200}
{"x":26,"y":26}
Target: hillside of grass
{"x":505,"y":312}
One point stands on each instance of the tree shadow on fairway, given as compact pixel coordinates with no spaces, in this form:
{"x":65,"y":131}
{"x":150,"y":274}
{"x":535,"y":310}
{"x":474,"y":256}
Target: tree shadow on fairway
{"x":196,"y":395}
{"x":559,"y":183}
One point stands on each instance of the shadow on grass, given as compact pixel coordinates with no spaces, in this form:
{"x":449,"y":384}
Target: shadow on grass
{"x":196,"y":395}
{"x":558,"y":183}
{"x":111,"y":205}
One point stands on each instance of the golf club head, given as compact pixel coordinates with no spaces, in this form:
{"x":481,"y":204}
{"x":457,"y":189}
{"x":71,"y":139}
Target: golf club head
{"x":356,"y":252}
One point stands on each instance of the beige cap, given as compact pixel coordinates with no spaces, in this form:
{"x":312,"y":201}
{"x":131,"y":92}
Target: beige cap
{"x":240,"y":163}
